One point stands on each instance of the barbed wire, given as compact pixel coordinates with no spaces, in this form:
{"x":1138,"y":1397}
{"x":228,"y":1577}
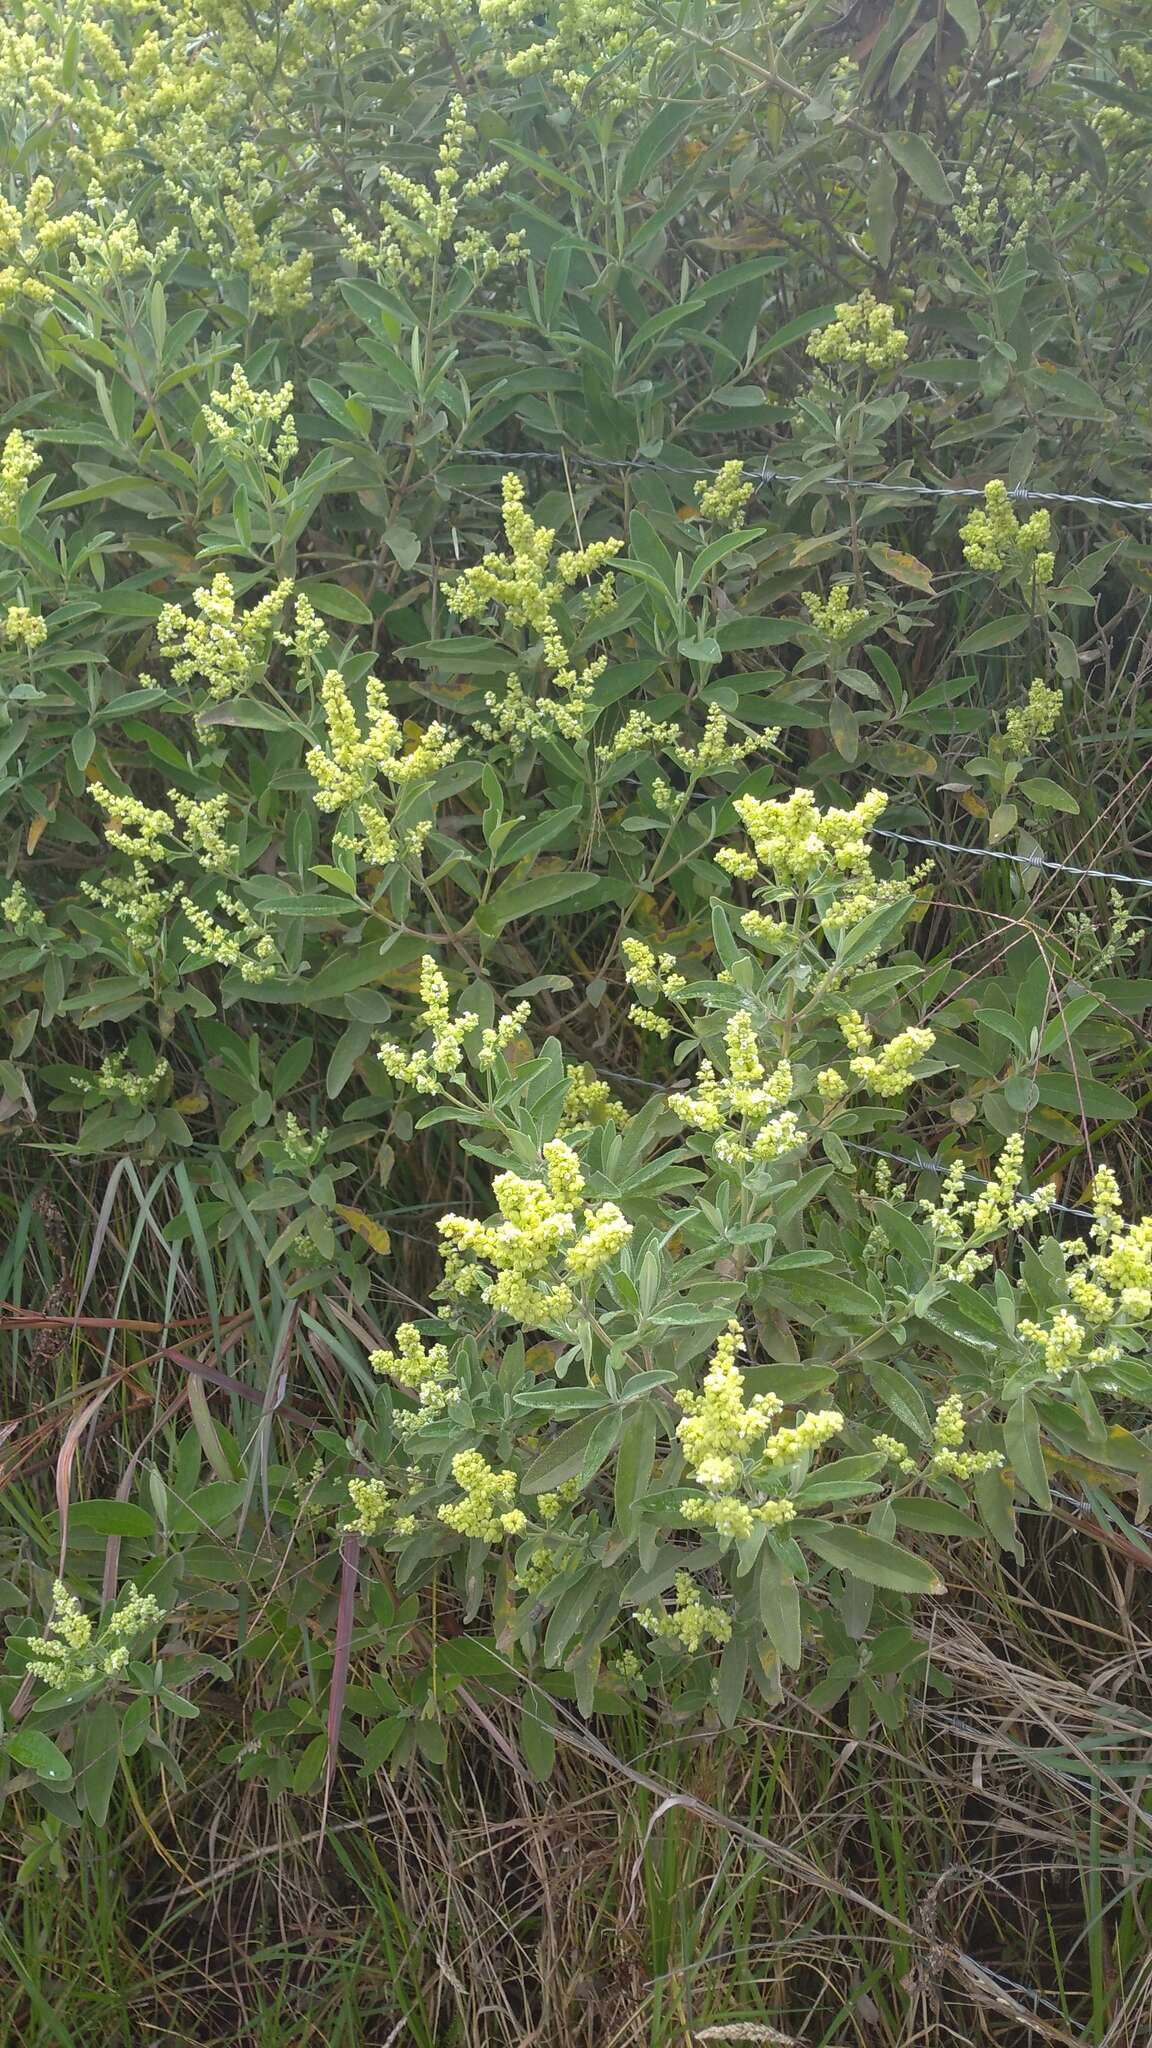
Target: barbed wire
{"x":764,"y":475}
{"x":1025,"y":860}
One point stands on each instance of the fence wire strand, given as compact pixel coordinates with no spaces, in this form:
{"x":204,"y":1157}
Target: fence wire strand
{"x":763,"y":475}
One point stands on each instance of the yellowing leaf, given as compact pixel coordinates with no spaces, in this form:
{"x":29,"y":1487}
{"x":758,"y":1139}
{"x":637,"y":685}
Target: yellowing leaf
{"x":191,"y":1105}
{"x":366,"y":1227}
{"x":904,"y":567}
{"x":36,"y":833}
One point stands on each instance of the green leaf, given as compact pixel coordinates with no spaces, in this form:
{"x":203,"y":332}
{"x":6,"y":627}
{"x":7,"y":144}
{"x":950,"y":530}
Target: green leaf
{"x":634,"y":1460}
{"x":718,"y":551}
{"x":335,"y":602}
{"x":113,"y":1518}
{"x":563,"y":1458}
{"x":1025,"y":1451}
{"x":1079,"y":1095}
{"x":705,"y":649}
{"x":935,"y":1518}
{"x":731,"y":1679}
{"x":900,"y":1393}
{"x":36,"y":1752}
{"x":871,"y":1558}
{"x":997,"y":633}
{"x":966,"y":15}
{"x":653,"y":143}
{"x":908,"y":56}
{"x":97,"y":1758}
{"x":780,"y":1609}
{"x":526,"y":899}
{"x":1039,"y":789}
{"x":796,"y":330}
{"x":1050,"y":42}
{"x":921,"y":165}
{"x":903,"y":567}
{"x":538,"y":1733}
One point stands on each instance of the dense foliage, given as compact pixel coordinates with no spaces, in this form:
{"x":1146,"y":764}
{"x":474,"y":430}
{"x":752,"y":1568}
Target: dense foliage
{"x":475,"y":673}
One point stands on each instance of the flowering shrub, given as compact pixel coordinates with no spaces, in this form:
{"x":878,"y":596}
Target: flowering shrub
{"x":770,"y":1374}
{"x":467,"y":948}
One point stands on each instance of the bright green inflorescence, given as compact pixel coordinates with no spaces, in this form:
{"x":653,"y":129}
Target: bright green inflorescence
{"x":731,"y":1446}
{"x":725,"y":499}
{"x":75,"y":1651}
{"x":544,"y":1244}
{"x":424,"y":1369}
{"x":692,"y":1623}
{"x":487,"y":1512}
{"x":864,"y":335}
{"x":997,"y":541}
{"x":1035,"y":720}
{"x":528,"y":588}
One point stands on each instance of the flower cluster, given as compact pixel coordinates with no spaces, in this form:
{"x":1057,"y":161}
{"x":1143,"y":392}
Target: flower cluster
{"x":746,"y":1111}
{"x":423,"y":1369}
{"x":892,"y":1070}
{"x":495,"y":1039}
{"x":240,"y":943}
{"x":996,"y":541}
{"x":23,"y":913}
{"x":528,"y":588}
{"x":834,"y":616}
{"x":800,"y":846}
{"x":73,"y":1652}
{"x":300,"y":1148}
{"x":28,"y":236}
{"x":947,"y":1459}
{"x":962,"y":1223}
{"x":115,"y":1081}
{"x":373,"y":1502}
{"x":137,"y":907}
{"x":797,"y":844}
{"x":133,"y":828}
{"x":244,"y":419}
{"x":730,"y":1445}
{"x":422,"y":228}
{"x":864,"y":335}
{"x":24,"y":628}
{"x":692,"y":1622}
{"x":718,"y":1426}
{"x":653,"y":975}
{"x":204,"y":819}
{"x":18,"y":464}
{"x":717,"y":746}
{"x":346,"y":771}
{"x":543,"y":1238}
{"x":487,"y":1512}
{"x":589,"y":1101}
{"x":600,"y":47}
{"x":428,"y":1067}
{"x":225,"y":934}
{"x":218,"y":645}
{"x":1001,"y":219}
{"x":639,"y":734}
{"x":1062,"y":1342}
{"x":725,"y":498}
{"x":1035,"y":720}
